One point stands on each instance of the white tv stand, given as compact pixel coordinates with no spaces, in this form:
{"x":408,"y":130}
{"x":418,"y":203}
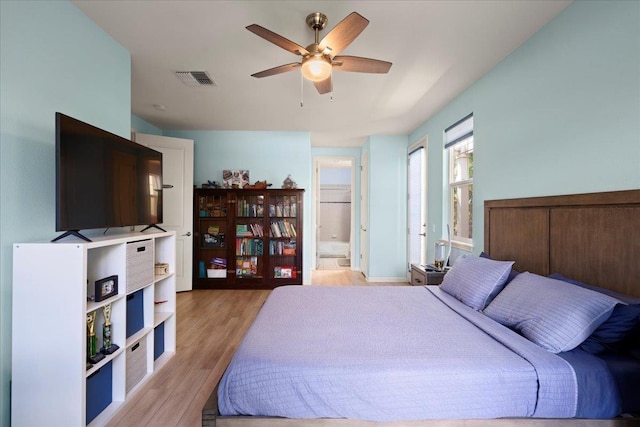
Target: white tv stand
{"x":50,"y":377}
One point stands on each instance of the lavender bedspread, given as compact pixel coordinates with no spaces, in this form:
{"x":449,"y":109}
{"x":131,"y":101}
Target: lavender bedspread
{"x":389,"y":353}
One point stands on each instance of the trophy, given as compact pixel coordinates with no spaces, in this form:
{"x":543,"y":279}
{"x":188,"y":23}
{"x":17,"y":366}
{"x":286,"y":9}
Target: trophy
{"x":107,"y":346}
{"x":92,"y":355}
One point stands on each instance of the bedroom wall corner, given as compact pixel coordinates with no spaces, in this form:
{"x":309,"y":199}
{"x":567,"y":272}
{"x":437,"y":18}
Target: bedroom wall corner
{"x":52,"y":56}
{"x":142,"y":126}
{"x":557,"y":116}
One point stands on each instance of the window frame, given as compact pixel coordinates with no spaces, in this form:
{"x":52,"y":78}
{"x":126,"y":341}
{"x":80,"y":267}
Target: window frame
{"x":450,"y":143}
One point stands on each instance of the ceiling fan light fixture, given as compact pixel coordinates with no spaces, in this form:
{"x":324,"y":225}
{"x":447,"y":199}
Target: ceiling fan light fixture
{"x":316,"y":68}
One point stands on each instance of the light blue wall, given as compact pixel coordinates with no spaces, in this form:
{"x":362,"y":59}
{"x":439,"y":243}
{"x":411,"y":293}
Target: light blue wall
{"x":268,"y":156}
{"x":142,"y":126}
{"x":560,"y":115}
{"x":53,"y":58}
{"x":387,"y":207}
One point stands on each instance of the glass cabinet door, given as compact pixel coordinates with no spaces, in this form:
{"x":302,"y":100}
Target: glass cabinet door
{"x":212,"y":235}
{"x":249,"y":236}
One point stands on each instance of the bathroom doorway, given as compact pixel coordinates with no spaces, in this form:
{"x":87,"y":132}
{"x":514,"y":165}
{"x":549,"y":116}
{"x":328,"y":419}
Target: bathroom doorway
{"x":334,"y":213}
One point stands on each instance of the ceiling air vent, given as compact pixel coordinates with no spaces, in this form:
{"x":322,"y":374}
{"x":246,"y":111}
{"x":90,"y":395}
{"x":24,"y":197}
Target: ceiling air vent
{"x":195,"y":78}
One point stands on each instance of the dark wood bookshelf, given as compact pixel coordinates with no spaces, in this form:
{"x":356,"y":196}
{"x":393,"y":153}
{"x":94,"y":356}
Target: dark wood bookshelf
{"x":247,"y":239}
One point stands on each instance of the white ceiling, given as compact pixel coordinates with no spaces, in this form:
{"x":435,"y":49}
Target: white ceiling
{"x":438,"y":49}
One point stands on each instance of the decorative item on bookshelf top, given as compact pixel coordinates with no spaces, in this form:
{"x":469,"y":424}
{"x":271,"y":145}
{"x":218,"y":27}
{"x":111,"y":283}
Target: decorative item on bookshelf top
{"x":211,"y":184}
{"x":289,"y":183}
{"x":235,"y":178}
{"x":259,"y":185}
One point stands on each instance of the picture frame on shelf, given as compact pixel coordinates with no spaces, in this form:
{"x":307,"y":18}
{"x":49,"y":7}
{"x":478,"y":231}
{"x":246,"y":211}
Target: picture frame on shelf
{"x":106,"y":288}
{"x":235,"y":178}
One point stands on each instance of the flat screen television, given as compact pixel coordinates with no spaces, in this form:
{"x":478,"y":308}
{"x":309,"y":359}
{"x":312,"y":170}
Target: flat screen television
{"x":104,"y":180}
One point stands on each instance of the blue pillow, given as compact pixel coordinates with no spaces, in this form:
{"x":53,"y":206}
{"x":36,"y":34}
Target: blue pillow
{"x":623,"y":319}
{"x":555,"y":315}
{"x":476,"y":281}
{"x":613,"y":334}
{"x":512,"y":274}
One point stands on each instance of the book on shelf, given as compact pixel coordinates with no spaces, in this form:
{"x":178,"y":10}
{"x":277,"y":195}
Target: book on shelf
{"x":257,"y":230}
{"x":251,"y":207}
{"x":249,"y":230}
{"x":275,"y":230}
{"x":280,"y":247}
{"x":283,"y":228}
{"x":219,"y":263}
{"x":284,"y":272}
{"x":246,"y":246}
{"x":246,"y":266}
{"x":289,"y":248}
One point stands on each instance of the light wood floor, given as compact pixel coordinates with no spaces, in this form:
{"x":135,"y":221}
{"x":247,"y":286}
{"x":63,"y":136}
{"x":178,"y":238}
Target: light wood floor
{"x":210,"y":325}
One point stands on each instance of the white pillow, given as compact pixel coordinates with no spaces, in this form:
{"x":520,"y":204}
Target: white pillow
{"x":556,"y":315}
{"x":475,"y":281}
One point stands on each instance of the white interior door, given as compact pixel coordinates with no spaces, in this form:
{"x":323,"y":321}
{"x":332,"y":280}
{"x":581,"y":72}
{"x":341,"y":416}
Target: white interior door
{"x":177,"y":197}
{"x":416,"y":202}
{"x":364,"y":213}
{"x":318,"y":215}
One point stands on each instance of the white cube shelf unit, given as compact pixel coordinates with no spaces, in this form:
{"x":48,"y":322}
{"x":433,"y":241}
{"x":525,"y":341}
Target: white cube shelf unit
{"x":51,"y":382}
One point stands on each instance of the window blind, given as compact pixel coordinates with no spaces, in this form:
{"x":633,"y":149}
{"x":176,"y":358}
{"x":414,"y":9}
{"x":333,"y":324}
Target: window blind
{"x":459,"y":131}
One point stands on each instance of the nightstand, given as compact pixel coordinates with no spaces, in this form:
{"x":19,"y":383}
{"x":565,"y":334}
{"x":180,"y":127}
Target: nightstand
{"x":420,"y":276}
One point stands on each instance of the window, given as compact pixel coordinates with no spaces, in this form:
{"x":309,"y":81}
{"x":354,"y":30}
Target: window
{"x":458,"y":140}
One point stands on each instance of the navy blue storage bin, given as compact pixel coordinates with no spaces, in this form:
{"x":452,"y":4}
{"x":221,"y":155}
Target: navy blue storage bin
{"x":99,"y":391}
{"x":158,"y":341}
{"x":135,"y":312}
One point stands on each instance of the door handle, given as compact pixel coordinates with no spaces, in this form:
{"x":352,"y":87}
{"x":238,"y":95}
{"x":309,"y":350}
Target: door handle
{"x":188,"y":233}
{"x":167,"y":186}
{"x":423,"y":234}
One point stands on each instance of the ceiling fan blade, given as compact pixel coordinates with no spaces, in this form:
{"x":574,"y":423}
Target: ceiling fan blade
{"x":277,"y":39}
{"x":344,"y":33}
{"x":361,"y":65}
{"x":324,"y":86}
{"x":277,"y":70}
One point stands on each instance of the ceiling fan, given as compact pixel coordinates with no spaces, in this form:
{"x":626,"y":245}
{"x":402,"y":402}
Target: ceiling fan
{"x":322,"y":56}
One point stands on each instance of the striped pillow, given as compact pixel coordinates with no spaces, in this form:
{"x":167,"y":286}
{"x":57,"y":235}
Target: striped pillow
{"x":555,"y":315}
{"x":475,"y":281}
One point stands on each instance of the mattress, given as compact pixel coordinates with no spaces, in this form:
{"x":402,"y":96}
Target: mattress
{"x":399,"y":353}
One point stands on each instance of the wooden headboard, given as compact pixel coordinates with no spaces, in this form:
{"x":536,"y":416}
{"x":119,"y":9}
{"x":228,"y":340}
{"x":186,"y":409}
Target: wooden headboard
{"x":593,"y":238}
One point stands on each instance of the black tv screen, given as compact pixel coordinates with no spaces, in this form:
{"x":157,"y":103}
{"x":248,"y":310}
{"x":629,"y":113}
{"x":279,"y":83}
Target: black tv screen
{"x":104,"y":180}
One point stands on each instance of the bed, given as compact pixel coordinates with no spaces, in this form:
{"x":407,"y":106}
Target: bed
{"x":465,"y":350}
